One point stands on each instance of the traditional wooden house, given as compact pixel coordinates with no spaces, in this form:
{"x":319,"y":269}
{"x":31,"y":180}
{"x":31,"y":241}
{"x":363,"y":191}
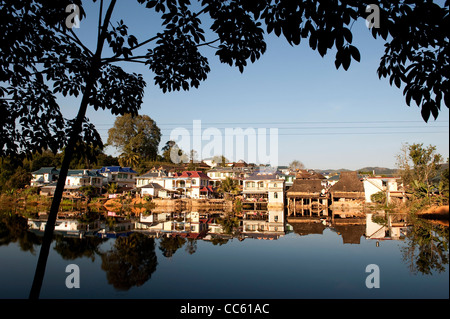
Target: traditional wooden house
{"x":307,"y":197}
{"x":348,"y":192}
{"x":308,"y":174}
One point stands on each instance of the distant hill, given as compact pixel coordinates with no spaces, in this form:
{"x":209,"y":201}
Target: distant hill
{"x":378,"y":170}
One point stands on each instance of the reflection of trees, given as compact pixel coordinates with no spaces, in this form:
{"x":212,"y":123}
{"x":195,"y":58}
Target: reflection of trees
{"x":229,"y":225}
{"x":169,"y":245}
{"x":13,"y":228}
{"x":130,"y":262}
{"x":72,"y":248}
{"x":427,"y":247}
{"x":191,"y":246}
{"x":217,"y":240}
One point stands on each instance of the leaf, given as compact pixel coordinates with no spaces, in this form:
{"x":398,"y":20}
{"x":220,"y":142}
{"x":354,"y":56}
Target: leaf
{"x":425,"y":112}
{"x":355,"y":53}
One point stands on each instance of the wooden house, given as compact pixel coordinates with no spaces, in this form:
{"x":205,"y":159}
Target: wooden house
{"x":347,"y":193}
{"x":307,"y":197}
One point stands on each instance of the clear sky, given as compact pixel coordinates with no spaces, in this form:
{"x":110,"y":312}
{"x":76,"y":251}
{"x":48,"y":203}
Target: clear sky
{"x":326,"y":118}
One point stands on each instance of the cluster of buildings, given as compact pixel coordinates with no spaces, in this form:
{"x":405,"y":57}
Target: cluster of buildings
{"x":301,"y":191}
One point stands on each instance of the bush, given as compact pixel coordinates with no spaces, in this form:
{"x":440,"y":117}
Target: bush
{"x":379,"y":198}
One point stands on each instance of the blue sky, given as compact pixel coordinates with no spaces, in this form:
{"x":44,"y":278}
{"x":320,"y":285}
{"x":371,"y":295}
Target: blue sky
{"x":326,"y":118}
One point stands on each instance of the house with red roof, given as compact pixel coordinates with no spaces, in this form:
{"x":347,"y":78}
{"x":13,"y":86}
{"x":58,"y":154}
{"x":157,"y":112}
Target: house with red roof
{"x":193,"y":184}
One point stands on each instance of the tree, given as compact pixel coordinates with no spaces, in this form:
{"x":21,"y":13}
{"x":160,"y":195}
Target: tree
{"x":220,"y":160}
{"x":19,"y":179}
{"x":42,"y":58}
{"x":229,"y":186}
{"x":135,"y":135}
{"x":112,"y":188}
{"x":296,"y":165}
{"x":418,"y":166}
{"x":129,"y":159}
{"x":172,"y":153}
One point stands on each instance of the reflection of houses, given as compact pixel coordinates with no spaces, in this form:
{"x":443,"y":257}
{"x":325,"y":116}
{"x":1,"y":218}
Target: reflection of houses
{"x":122,"y":176}
{"x":309,"y":226}
{"x":263,"y":225}
{"x":265,"y":187}
{"x":388,"y":185}
{"x":44,"y":175}
{"x":308,"y":195}
{"x":65,"y":227}
{"x":351,"y":230}
{"x":384,"y":227}
{"x":185,"y":224}
{"x":347,"y":193}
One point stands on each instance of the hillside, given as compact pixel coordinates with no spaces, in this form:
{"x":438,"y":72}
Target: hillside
{"x":378,"y":170}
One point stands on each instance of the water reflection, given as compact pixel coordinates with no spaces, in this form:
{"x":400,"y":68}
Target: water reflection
{"x":137,"y":236}
{"x":130,"y":262}
{"x":426,"y":249}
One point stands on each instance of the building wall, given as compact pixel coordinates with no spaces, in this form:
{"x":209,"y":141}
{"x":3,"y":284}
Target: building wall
{"x":375,"y":185}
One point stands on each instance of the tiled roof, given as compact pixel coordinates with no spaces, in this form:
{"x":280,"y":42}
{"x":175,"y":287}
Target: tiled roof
{"x":119,"y":169}
{"x":84,"y":172}
{"x":46,"y":170}
{"x":348,"y":182}
{"x":192,"y":174}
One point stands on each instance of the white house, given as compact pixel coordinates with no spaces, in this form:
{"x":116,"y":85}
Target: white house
{"x":373,"y":185}
{"x":151,"y":189}
{"x":157,"y":177}
{"x":194,"y":184}
{"x":122,"y":176}
{"x":265,"y":186}
{"x":84,"y":177}
{"x":44,"y":175}
{"x":218,"y":175}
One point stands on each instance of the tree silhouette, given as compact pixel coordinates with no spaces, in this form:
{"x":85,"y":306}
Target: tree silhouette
{"x":41,"y":58}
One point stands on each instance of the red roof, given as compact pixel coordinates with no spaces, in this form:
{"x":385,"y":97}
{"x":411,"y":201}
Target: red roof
{"x":207,"y":189}
{"x":192,"y":174}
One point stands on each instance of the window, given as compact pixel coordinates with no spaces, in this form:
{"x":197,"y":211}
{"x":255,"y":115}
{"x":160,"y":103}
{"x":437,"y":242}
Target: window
{"x":274,"y":184}
{"x":194,"y":182}
{"x":261,"y":184}
{"x":275,"y":195}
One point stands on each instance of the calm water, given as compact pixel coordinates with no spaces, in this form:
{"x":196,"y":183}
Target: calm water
{"x":204,"y":255}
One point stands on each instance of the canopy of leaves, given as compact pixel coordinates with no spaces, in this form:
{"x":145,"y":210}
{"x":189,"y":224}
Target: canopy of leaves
{"x":42,"y":60}
{"x":135,"y":135}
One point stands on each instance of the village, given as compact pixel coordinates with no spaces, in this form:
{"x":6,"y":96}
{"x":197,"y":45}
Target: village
{"x":302,"y":192}
{"x":195,"y":203}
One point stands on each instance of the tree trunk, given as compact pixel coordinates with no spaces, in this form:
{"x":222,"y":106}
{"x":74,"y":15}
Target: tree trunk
{"x":50,"y":226}
{"x":68,"y":154}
